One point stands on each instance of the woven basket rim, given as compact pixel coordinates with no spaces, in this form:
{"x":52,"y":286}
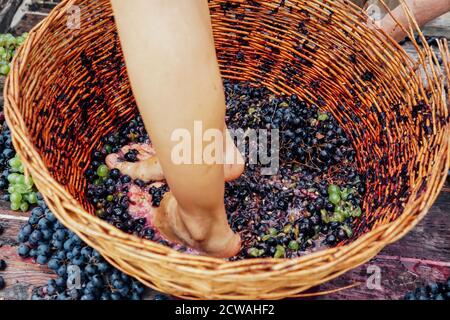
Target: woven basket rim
{"x":26,"y":150}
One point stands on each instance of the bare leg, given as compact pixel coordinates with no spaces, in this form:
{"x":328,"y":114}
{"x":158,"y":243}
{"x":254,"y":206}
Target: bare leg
{"x":172,"y":65}
{"x":423,"y":10}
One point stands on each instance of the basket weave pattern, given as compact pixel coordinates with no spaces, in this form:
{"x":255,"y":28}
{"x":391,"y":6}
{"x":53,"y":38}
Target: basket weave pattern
{"x":68,"y":87}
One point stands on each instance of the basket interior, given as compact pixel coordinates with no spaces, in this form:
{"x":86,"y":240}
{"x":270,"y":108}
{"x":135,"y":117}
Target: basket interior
{"x":80,"y":91}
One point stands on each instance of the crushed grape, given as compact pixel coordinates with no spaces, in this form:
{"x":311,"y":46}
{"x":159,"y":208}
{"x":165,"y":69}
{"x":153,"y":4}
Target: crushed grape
{"x":312,"y":201}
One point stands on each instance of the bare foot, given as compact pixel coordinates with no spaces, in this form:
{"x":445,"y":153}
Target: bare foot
{"x":173,"y":224}
{"x":148,"y":167}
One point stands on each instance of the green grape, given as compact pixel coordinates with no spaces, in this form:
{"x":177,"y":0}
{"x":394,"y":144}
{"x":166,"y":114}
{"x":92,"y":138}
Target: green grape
{"x":21,"y":188}
{"x":15,"y":162}
{"x":332,"y":188}
{"x":11,"y":189}
{"x":8,"y":46}
{"x":15,"y":206}
{"x":347,"y":230}
{"x":273,"y":232}
{"x":102,"y":171}
{"x":6,"y":58}
{"x":338,"y":209}
{"x":287,"y":229}
{"x":15,"y":197}
{"x":31,"y":198}
{"x":357,"y":212}
{"x":338,"y":216}
{"x":322,"y":116}
{"x":24,"y":206}
{"x":4,"y":70}
{"x":334,"y":198}
{"x":20,"y":179}
{"x":324,"y":215}
{"x":29,"y":182}
{"x":12,"y":178}
{"x":293,"y":245}
{"x":280,"y":252}
{"x":345,"y":193}
{"x":20,"y":39}
{"x":254,"y":252}
{"x":10,"y":40}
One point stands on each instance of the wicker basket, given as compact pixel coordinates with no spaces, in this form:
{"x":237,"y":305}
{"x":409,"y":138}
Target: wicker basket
{"x":57,"y":109}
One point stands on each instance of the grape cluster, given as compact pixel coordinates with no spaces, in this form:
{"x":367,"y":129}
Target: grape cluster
{"x":7,"y":153}
{"x":343,"y":206}
{"x":8,"y":47}
{"x":316,"y":196}
{"x":21,"y":190}
{"x":432,"y":291}
{"x":308,"y":136}
{"x":47,"y":241}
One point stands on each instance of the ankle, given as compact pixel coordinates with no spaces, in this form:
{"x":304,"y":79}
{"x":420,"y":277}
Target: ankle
{"x":205,"y":227}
